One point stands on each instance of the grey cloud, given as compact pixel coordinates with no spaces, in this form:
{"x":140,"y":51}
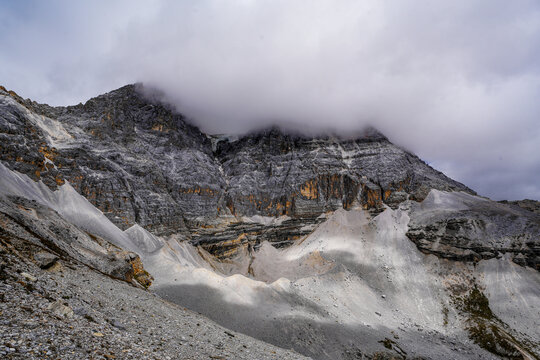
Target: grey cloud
{"x":456,"y":82}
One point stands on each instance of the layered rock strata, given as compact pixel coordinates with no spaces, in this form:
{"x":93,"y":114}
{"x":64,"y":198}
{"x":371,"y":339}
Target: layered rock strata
{"x":473,"y":228}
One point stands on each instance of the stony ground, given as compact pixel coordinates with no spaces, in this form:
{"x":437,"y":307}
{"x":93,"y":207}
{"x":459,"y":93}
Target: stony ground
{"x":71,"y":312}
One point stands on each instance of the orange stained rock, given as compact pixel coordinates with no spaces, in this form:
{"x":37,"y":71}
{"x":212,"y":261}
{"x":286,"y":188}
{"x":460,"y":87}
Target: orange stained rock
{"x":287,"y":207}
{"x":77,"y":179}
{"x":140,"y":273}
{"x":236,"y":241}
{"x":310,"y":190}
{"x":373,"y":199}
{"x":230,"y":206}
{"x":137,"y":266}
{"x":288,"y":204}
{"x":159,"y":127}
{"x":198,"y":190}
{"x":47,"y":152}
{"x":59,"y":181}
{"x":229,"y":253}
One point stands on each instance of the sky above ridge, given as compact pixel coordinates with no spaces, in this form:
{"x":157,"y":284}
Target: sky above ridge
{"x":456,"y":82}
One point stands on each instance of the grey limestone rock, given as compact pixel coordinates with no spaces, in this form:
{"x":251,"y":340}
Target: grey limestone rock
{"x":60,"y":310}
{"x":46,"y":236}
{"x":472,"y":228}
{"x":527,"y":204}
{"x":45,"y":259}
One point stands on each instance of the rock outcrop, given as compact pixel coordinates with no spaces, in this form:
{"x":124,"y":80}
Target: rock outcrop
{"x":527,"y":204}
{"x":141,"y":162}
{"x":45,"y":236}
{"x":469,"y":228}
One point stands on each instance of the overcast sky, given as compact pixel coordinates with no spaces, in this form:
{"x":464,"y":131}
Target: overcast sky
{"x":457,"y":82}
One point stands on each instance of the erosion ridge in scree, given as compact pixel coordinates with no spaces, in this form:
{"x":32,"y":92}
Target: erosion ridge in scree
{"x":140,"y":162}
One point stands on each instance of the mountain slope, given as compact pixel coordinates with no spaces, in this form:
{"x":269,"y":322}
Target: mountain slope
{"x":335,"y":247}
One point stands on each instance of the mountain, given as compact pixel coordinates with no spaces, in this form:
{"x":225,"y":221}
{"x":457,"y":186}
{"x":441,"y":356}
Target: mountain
{"x":140,"y":162}
{"x":335,"y":247}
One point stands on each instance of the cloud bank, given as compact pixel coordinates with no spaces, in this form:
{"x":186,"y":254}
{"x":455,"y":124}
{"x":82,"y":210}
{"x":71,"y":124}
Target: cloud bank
{"x":457,"y":82}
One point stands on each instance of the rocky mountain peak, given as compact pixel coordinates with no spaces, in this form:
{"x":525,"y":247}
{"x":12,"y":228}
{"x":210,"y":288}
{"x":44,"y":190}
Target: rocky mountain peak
{"x":141,"y":162}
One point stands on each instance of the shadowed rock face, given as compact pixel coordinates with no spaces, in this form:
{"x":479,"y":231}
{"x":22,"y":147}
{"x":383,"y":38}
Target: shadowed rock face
{"x":141,"y":162}
{"x":474,"y":228}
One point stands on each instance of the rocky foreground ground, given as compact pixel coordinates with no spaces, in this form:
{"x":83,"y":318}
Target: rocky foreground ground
{"x":71,"y":312}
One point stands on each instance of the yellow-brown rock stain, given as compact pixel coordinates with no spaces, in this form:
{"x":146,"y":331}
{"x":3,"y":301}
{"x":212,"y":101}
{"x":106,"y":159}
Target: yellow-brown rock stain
{"x":333,"y":190}
{"x":198,"y":191}
{"x":373,"y":198}
{"x":310,"y":189}
{"x":140,"y":274}
{"x":59,"y":180}
{"x":160,"y":128}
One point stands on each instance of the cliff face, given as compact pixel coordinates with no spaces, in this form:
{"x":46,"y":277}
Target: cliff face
{"x":141,"y":162}
{"x":275,"y":174}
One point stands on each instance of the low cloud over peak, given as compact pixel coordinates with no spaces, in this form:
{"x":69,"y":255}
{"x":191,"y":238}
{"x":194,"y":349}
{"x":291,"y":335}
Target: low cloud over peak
{"x":458,"y":82}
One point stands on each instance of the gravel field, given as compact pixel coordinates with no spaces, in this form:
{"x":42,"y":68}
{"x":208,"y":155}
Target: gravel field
{"x":72,"y":312}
